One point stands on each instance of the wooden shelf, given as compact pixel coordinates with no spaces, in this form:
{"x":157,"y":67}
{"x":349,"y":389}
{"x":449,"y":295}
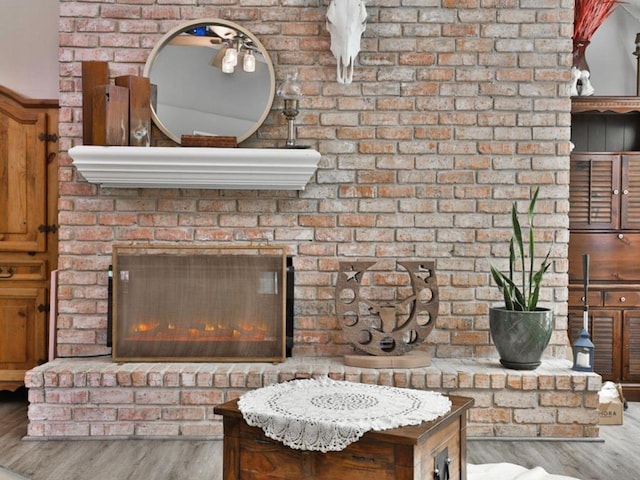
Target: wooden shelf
{"x":186,"y":167}
{"x":605,"y":104}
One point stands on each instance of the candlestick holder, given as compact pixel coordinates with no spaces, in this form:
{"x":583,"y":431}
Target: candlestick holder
{"x":290,"y":91}
{"x":290,"y":112}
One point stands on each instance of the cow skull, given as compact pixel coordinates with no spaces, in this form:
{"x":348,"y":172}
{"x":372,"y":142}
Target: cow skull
{"x":346,"y":20}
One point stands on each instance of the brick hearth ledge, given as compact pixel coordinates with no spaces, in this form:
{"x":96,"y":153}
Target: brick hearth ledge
{"x":82,"y":398}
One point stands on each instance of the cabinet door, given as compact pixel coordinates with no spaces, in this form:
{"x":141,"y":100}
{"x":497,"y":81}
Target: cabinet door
{"x":614,"y":257}
{"x":605,"y":329}
{"x":631,"y":346}
{"x":22,"y":331}
{"x":23,"y":180}
{"x":594,"y":189}
{"x":630,"y":192}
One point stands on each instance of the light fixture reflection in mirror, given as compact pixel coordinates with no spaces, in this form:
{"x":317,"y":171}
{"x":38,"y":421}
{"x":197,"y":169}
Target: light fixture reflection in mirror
{"x":200,"y":87}
{"x":249,"y":62}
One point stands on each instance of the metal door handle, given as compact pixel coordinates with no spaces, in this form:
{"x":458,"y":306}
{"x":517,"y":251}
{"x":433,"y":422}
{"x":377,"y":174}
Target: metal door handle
{"x":445,"y":473}
{"x":8,"y":273}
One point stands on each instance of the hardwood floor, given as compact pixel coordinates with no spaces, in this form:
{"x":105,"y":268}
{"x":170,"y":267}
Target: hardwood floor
{"x":616,"y":457}
{"x":100,"y":459}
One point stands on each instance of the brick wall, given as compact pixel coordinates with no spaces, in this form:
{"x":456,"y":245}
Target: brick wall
{"x":457,"y":108}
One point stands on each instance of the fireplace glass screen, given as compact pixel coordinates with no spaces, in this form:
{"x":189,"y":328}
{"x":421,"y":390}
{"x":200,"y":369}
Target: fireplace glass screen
{"x":199,"y":304}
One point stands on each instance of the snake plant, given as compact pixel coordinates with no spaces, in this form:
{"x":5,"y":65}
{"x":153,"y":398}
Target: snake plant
{"x":521,"y":294}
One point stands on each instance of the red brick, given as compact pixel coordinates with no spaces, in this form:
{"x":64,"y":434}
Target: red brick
{"x":201,"y":397}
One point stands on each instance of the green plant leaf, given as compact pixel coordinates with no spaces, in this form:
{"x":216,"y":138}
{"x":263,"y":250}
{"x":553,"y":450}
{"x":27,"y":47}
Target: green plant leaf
{"x":532,"y":242}
{"x":505,"y":285}
{"x":522,"y":297}
{"x":517,"y":235}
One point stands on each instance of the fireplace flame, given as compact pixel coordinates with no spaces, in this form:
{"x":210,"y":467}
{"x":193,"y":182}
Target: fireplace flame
{"x":198,"y":331}
{"x":145,"y":327}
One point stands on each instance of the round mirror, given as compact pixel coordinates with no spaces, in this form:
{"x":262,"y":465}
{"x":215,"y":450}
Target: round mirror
{"x":211,"y":77}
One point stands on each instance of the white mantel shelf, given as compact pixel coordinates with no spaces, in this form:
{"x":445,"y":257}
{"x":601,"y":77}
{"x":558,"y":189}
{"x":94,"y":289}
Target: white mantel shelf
{"x":196,"y":167}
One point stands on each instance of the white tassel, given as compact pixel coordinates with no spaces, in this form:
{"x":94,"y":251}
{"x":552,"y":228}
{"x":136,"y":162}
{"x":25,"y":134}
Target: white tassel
{"x":575,"y":76}
{"x":587,"y":89}
{"x":581,"y":83}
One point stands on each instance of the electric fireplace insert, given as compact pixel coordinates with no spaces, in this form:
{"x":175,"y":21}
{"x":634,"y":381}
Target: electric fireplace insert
{"x":192,"y":303}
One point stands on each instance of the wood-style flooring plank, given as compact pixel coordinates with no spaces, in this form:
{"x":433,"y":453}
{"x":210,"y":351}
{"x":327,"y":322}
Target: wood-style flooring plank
{"x":125,"y":460}
{"x":100,"y":459}
{"x":617,"y":456}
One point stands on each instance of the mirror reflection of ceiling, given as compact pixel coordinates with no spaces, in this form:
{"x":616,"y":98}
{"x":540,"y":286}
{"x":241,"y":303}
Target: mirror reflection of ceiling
{"x":194,"y":96}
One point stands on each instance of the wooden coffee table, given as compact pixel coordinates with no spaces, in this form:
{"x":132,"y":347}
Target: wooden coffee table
{"x":406,"y":453}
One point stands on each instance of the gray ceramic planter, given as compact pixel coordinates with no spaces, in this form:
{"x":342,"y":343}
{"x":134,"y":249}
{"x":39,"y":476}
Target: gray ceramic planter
{"x":520,"y":337}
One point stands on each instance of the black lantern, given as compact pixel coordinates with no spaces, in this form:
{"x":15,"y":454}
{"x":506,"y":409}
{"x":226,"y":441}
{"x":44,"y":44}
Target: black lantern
{"x":583,"y":353}
{"x":583,"y":347}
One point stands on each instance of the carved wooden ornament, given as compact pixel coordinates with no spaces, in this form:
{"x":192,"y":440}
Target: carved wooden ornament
{"x":387,"y":319}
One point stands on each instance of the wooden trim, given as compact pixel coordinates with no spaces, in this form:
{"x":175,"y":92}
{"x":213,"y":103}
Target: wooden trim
{"x":605,"y":104}
{"x":12,"y":375}
{"x":28,"y":102}
{"x":631,"y":391}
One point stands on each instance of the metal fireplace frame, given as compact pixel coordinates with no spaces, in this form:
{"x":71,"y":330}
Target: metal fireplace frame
{"x":284,"y":278}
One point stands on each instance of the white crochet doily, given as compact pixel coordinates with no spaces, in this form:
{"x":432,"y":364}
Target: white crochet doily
{"x":327,"y":415}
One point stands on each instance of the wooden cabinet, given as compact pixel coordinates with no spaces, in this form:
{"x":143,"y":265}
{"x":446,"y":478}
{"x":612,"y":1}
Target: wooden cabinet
{"x":23,"y":181}
{"x":605,"y":329}
{"x":604,"y":220}
{"x":28,"y":241}
{"x":22,"y":331}
{"x":614,"y":256}
{"x":631,"y":342}
{"x":406,"y":453}
{"x":616,"y":335}
{"x":605,"y":191}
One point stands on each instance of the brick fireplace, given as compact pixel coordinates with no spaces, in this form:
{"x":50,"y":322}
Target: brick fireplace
{"x":457,"y":108}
